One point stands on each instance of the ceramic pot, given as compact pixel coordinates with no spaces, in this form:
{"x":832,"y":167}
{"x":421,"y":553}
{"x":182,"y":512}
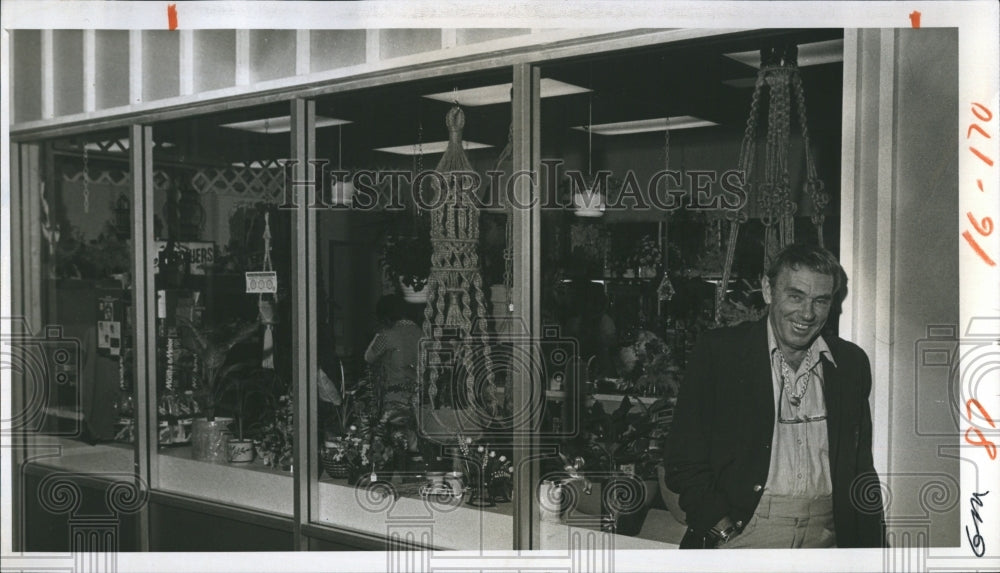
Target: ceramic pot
{"x":551,"y":501}
{"x":208,"y":439}
{"x":239,"y":451}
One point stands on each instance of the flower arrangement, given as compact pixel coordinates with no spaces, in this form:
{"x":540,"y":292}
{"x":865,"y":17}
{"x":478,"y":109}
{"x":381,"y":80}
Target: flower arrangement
{"x":372,"y":443}
{"x":489,"y":472}
{"x":277,"y":435}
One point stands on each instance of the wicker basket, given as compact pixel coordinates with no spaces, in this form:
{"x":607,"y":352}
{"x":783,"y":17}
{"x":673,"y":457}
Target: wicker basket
{"x":336,"y":470}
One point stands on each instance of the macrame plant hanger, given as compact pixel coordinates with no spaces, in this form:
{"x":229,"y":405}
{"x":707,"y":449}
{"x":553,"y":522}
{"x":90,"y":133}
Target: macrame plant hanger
{"x":779,"y":73}
{"x":455,"y":312}
{"x":266,"y":307}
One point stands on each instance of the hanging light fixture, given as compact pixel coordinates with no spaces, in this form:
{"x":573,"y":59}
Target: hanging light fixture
{"x":343,"y":191}
{"x":589,"y":202}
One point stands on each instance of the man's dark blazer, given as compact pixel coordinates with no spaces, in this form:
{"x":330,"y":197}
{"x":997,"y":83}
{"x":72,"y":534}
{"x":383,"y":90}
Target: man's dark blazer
{"x":719,"y":446}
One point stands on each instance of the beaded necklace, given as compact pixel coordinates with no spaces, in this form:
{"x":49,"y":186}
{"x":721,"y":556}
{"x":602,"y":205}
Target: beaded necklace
{"x":795,"y":398}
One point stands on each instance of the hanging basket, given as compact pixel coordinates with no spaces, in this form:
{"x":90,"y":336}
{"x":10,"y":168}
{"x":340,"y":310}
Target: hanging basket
{"x":414,"y":296}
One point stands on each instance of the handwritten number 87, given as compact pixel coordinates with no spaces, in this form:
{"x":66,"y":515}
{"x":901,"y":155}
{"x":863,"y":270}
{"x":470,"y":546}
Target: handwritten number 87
{"x":991,"y":448}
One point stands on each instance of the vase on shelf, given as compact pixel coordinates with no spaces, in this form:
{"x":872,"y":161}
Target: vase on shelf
{"x":209,"y":438}
{"x":240,"y":451}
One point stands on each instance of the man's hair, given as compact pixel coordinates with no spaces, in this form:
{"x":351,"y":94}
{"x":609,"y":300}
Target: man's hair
{"x":816,"y":259}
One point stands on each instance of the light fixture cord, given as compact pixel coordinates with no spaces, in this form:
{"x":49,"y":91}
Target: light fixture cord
{"x":590,"y":135}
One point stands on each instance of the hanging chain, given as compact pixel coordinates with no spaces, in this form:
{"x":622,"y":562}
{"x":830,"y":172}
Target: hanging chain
{"x":666,"y":147}
{"x":419,"y":165}
{"x":508,"y":251}
{"x":86,"y":179}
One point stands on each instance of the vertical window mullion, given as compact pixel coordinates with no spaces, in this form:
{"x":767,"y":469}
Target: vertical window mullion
{"x":526,"y":222}
{"x":143,"y":304}
{"x":303,"y":291}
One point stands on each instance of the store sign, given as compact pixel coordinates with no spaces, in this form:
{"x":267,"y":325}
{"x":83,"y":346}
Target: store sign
{"x":198,"y":254}
{"x":262,"y":282}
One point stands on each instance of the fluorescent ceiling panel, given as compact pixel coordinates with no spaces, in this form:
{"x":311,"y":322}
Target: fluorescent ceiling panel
{"x":644,"y":125}
{"x":812,"y":54}
{"x":281,"y":124}
{"x":429,"y":148}
{"x":500,"y":93}
{"x":740,"y":83}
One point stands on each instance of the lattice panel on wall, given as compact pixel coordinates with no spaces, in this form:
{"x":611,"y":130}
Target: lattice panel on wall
{"x":254,"y":179}
{"x":256,"y":183}
{"x":117,"y":177}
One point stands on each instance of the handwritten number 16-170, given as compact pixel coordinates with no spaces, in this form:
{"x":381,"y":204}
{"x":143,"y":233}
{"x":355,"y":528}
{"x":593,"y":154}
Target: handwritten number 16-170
{"x":982,"y":226}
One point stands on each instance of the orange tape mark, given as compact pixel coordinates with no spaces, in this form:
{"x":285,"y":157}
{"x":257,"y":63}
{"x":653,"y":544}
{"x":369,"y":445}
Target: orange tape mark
{"x":915,"y":19}
{"x":172,"y":16}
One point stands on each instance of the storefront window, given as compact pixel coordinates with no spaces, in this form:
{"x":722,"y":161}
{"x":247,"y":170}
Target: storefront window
{"x":414,"y":383}
{"x":221,"y":276}
{"x":75,"y":362}
{"x":638,"y":175}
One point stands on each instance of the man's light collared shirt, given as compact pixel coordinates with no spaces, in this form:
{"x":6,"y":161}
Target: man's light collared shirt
{"x":800,"y":452}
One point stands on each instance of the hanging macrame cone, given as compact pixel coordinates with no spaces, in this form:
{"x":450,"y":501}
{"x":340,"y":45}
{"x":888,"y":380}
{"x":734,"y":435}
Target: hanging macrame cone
{"x":779,"y":76}
{"x":456,"y":311}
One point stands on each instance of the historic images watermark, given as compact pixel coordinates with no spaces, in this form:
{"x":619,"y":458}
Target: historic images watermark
{"x":47,"y":367}
{"x":394,"y":190}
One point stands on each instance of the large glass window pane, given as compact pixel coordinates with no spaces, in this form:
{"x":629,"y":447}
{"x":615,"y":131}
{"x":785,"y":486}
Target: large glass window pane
{"x":415,"y":376}
{"x":637,"y":175}
{"x":79,"y":385}
{"x":221,"y":276}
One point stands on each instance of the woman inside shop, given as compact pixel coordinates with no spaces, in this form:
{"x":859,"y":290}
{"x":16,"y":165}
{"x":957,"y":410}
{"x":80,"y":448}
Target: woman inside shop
{"x":392,"y":354}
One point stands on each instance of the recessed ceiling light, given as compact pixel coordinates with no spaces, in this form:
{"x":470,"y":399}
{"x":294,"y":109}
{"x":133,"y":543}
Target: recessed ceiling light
{"x":500,"y":93}
{"x":644,"y":125}
{"x":281,"y":124}
{"x":429,"y":148}
{"x":811,"y":54}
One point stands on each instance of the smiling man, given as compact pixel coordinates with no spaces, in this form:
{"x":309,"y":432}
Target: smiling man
{"x":771,"y":439}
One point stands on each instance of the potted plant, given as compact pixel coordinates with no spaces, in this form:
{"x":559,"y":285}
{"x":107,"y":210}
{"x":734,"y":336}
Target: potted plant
{"x":617,"y":451}
{"x":244,"y":380}
{"x":277,"y":435}
{"x":342,"y":457}
{"x":407,"y":261}
{"x":212,"y":346}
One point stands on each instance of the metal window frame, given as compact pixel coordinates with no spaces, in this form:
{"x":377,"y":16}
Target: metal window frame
{"x":525,"y":65}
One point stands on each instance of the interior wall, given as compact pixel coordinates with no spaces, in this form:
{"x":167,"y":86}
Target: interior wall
{"x":926,"y":277}
{"x":900,"y":238}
